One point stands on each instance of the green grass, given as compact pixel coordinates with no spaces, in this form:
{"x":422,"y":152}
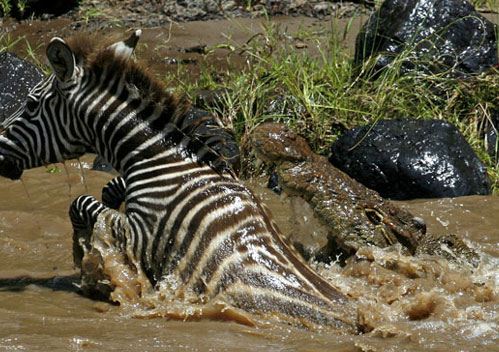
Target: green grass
{"x":7,"y":43}
{"x":487,"y":5}
{"x":318,"y":96}
{"x":7,"y":6}
{"x":29,"y":52}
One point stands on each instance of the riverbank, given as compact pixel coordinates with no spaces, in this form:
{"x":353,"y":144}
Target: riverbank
{"x":296,"y":69}
{"x":293,"y":69}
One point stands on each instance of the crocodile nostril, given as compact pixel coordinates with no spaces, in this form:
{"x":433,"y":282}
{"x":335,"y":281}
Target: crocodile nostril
{"x":419,"y":224}
{"x":448,"y":243}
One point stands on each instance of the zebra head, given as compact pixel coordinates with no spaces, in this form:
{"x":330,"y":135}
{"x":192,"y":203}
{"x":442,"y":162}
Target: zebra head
{"x":48,"y":128}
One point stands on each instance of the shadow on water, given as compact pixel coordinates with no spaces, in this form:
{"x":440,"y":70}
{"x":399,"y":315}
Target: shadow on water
{"x":63,"y":283}
{"x":56,"y":283}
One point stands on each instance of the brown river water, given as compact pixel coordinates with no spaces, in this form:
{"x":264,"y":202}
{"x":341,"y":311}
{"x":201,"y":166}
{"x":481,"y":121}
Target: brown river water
{"x":413,"y":304}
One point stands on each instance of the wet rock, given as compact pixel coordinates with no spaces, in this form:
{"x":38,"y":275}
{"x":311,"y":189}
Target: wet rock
{"x":25,"y":8}
{"x":207,"y":129}
{"x":210,"y":98}
{"x":435,"y":36}
{"x":17,"y":78}
{"x":406,"y":159}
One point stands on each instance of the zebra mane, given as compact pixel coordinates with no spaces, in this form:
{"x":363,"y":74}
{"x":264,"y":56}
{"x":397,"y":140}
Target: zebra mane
{"x":203,"y":135}
{"x":97,"y":56}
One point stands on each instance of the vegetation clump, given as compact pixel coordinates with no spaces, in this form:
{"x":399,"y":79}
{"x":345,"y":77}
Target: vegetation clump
{"x":309,"y":81}
{"x":321,"y":95}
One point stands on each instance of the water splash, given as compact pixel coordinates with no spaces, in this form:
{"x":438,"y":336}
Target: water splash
{"x":68,"y":179}
{"x":82,"y":174}
{"x":111,"y":271}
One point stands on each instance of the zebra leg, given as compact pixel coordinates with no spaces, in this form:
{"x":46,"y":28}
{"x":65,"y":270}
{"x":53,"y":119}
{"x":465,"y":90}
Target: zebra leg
{"x":113,"y":194}
{"x":92,"y":245}
{"x":83,"y":213}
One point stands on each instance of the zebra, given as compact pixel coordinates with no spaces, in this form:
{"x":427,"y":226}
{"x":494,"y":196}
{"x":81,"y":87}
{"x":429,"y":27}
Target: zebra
{"x":185,"y":213}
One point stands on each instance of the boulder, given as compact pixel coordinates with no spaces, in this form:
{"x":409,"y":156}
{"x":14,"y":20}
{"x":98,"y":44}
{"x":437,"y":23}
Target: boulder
{"x":25,"y":8}
{"x":406,"y":159}
{"x":435,"y":35}
{"x":208,"y":129}
{"x":17,"y":78}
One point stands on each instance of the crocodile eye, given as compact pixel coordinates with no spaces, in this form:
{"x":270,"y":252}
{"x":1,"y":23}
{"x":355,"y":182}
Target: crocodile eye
{"x":448,"y":243}
{"x":374,"y":216}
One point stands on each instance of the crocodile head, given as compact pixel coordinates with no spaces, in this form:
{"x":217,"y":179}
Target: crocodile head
{"x":275,"y":143}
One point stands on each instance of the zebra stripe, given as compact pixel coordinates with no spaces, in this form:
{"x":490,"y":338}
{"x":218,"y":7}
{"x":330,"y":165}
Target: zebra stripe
{"x":186,"y":214}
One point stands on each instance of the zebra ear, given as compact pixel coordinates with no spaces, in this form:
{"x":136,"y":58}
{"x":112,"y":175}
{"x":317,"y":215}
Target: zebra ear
{"x":125,"y":48}
{"x":61,"y":58}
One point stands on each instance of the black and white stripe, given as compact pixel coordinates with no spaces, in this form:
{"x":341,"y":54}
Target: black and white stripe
{"x":186,"y":215}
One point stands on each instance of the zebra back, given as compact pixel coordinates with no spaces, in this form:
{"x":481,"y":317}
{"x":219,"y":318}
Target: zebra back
{"x":201,"y":134}
{"x":182,"y":216}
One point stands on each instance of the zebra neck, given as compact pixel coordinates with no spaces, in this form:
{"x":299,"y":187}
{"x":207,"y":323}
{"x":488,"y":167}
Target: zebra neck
{"x":126,"y":127}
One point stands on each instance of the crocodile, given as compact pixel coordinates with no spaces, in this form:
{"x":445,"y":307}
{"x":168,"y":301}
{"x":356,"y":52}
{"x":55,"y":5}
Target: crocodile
{"x":354,"y":215}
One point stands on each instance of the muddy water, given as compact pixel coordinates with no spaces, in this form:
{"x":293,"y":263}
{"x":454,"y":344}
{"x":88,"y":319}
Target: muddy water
{"x":412,"y":304}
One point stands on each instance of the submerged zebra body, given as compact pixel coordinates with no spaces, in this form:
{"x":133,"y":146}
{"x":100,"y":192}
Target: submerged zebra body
{"x":185,"y":213}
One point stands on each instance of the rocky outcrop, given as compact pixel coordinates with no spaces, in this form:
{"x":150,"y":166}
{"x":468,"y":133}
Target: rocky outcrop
{"x":17,"y":77}
{"x":161,"y":12}
{"x":430,"y":36}
{"x":25,"y":8}
{"x":406,"y":159}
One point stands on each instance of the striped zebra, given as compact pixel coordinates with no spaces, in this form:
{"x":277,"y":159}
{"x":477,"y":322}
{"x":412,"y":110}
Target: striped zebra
{"x":185,"y":213}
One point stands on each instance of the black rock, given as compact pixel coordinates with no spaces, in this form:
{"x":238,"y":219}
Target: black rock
{"x":17,"y":78}
{"x":205,"y":128}
{"x":25,"y":8}
{"x":406,"y":159}
{"x":273,"y":183}
{"x":437,"y":36}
